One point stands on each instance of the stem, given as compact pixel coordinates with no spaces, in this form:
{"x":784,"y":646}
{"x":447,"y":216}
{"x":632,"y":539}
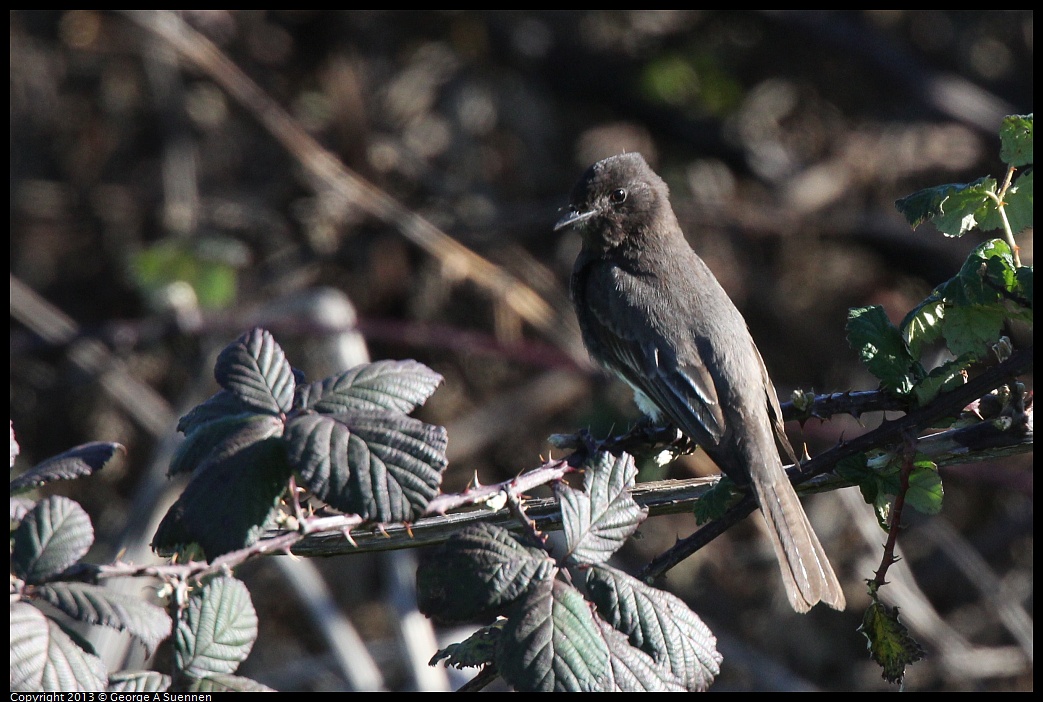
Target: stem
{"x":1008,"y":233}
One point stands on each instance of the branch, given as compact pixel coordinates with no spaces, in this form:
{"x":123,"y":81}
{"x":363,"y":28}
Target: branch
{"x":946,"y":405}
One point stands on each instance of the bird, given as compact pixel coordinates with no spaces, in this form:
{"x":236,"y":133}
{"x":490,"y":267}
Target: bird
{"x":653,"y":313}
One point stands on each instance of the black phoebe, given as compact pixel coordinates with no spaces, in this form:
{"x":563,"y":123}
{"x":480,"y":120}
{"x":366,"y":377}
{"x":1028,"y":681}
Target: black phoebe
{"x":653,"y":313}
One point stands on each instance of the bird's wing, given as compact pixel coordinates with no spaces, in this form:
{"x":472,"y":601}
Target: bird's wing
{"x":675,"y":379}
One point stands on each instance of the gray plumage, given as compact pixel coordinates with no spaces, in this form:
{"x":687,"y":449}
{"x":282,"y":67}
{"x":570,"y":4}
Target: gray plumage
{"x":654,"y":314}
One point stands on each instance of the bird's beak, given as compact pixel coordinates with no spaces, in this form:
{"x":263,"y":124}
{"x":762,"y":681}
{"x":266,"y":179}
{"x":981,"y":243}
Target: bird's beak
{"x":572,"y":217}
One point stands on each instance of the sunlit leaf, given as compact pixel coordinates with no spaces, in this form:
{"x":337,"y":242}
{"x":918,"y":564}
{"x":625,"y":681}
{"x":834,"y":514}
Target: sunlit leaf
{"x":74,"y":463}
{"x":1016,"y":140}
{"x":255,"y":369}
{"x":658,"y":623}
{"x":890,"y":643}
{"x":54,"y":535}
{"x":398,"y":386}
{"x":382,"y":466}
{"x":44,"y":658}
{"x":600,"y":519}
{"x":218,"y":629}
{"x":98,"y":605}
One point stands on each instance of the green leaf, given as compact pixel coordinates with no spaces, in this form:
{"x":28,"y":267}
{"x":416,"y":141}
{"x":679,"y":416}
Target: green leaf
{"x":1024,"y":286}
{"x":553,"y":642}
{"x":477,"y":573}
{"x":97,"y":605}
{"x":658,"y":623}
{"x":716,"y":501}
{"x":948,"y":376}
{"x":231,"y":495}
{"x":74,"y":463}
{"x":955,"y":208}
{"x":882,"y":349}
{"x":208,"y":265}
{"x":889,"y":642}
{"x":218,"y":629}
{"x":925,"y":491}
{"x":396,"y":386}
{"x":254,"y":368}
{"x":1016,"y":140}
{"x":599,"y":520}
{"x":54,"y":535}
{"x":46,"y":659}
{"x":381,"y":466}
{"x":1018,"y":203}
{"x":985,"y":276}
{"x":880,"y":481}
{"x":855,"y":469}
{"x":476,"y":650}
{"x":138,"y":681}
{"x":923,"y":324}
{"x":971,"y":330}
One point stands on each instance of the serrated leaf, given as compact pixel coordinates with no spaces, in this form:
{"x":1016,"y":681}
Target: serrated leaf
{"x":476,"y":650}
{"x":948,"y":376}
{"x":1024,"y":285}
{"x":881,"y":348}
{"x":138,"y":681}
{"x":218,"y":629}
{"x":553,"y":642}
{"x":20,"y":507}
{"x":971,"y":330}
{"x":923,"y":324}
{"x":220,"y":405}
{"x":925,"y":491}
{"x":227,"y":683}
{"x":889,"y":641}
{"x":74,"y":463}
{"x":45,"y":659}
{"x":477,"y":573}
{"x":1016,"y":140}
{"x":395,"y":386}
{"x":633,"y":670}
{"x":381,"y":466}
{"x":600,"y":519}
{"x":223,"y":434}
{"x":1018,"y":203}
{"x":231,"y":496}
{"x":987,"y":273}
{"x":658,"y":623}
{"x":97,"y":605}
{"x":712,"y":504}
{"x":51,"y":537}
{"x":955,"y":208}
{"x":254,"y":368}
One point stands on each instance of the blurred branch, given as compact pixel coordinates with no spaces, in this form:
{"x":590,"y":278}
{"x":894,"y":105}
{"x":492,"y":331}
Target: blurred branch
{"x":330,"y":176}
{"x":143,"y":404}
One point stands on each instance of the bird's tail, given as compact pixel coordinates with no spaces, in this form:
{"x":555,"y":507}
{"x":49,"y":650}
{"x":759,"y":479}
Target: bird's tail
{"x":806,"y":572}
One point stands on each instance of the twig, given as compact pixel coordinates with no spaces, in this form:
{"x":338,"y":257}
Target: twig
{"x":946,"y":405}
{"x":330,"y":176}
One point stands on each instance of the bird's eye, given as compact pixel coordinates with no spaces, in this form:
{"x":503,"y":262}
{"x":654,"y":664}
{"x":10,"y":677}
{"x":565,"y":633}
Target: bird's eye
{"x":618,"y":195}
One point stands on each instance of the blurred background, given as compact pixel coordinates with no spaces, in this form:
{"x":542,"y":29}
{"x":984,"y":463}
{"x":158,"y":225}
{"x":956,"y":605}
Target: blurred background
{"x":159,"y":208}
